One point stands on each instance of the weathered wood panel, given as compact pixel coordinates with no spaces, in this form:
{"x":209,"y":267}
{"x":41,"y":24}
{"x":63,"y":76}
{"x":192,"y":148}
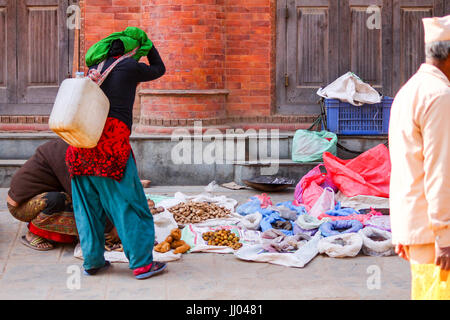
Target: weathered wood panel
{"x":3,"y":52}
{"x":42,"y":52}
{"x":7,"y":52}
{"x":310,"y":44}
{"x":408,"y":36}
{"x":42,"y":55}
{"x":323,"y":39}
{"x":412,"y":46}
{"x":365,"y":54}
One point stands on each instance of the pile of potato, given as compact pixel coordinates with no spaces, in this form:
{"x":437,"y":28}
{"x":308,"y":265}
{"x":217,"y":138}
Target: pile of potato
{"x":222,"y":238}
{"x":195,"y":212}
{"x":153,"y":209}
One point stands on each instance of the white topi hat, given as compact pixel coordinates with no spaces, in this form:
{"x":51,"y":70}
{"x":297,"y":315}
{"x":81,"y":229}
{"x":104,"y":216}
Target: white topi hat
{"x":437,"y":29}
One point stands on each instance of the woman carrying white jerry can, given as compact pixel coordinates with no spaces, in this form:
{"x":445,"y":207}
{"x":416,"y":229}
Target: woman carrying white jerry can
{"x":97,"y":125}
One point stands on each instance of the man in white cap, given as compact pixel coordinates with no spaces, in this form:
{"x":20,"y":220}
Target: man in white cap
{"x":419,"y":142}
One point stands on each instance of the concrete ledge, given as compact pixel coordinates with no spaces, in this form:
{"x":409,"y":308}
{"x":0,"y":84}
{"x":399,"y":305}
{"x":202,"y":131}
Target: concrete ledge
{"x":155,"y":159}
{"x":154,"y":92}
{"x":7,"y":170}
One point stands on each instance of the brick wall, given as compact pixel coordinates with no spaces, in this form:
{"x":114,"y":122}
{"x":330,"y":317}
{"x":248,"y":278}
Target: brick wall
{"x":189,"y":35}
{"x":219,"y":54}
{"x":250,"y":59}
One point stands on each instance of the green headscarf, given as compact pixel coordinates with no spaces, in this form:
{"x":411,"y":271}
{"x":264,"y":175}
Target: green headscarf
{"x":132,"y":37}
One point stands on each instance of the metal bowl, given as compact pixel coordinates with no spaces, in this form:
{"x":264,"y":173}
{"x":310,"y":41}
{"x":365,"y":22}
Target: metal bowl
{"x":269,"y":183}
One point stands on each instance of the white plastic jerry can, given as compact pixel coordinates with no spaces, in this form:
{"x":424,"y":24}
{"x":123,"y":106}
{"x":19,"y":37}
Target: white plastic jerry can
{"x":79,"y":112}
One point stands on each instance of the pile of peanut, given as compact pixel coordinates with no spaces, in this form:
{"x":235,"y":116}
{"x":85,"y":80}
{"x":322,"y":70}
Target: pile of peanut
{"x":195,"y":212}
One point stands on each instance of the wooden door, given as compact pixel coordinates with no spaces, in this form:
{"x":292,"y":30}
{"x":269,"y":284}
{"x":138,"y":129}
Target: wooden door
{"x":308,"y":42}
{"x":8,"y":74}
{"x":408,"y":36}
{"x":366,"y":41}
{"x":42,"y":52}
{"x":38,"y":55}
{"x":320,"y":40}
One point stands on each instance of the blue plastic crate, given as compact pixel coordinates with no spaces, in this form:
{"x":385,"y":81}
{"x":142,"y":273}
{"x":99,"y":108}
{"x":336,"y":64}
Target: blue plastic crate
{"x":369,"y":119}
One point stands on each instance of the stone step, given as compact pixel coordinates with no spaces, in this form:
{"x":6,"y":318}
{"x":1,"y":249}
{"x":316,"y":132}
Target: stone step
{"x":23,"y":145}
{"x":195,"y":174}
{"x":7,"y":170}
{"x":166,"y":161}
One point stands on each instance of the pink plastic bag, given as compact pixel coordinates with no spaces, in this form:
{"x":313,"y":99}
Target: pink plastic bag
{"x":368,"y":174}
{"x":324,"y":203}
{"x":311,"y":187}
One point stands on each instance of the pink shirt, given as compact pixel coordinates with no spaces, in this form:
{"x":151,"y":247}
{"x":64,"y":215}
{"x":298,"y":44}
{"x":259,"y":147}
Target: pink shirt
{"x":419,"y":145}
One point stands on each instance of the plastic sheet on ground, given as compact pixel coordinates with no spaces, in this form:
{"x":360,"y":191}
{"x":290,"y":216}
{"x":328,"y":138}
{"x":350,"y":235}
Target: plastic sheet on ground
{"x":118,"y":256}
{"x":156,"y":198}
{"x":297,"y":259}
{"x":179,"y":197}
{"x":192,"y":235}
{"x":221,"y":201}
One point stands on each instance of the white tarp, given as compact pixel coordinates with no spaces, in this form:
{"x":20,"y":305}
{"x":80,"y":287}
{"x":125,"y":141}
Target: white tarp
{"x":297,"y":259}
{"x":362,"y":202}
{"x":118,"y":256}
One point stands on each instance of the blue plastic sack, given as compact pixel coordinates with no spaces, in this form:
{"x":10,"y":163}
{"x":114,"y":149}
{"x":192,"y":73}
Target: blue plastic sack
{"x":254,"y":205}
{"x":251,"y":206}
{"x":266,"y":223}
{"x":288,"y":204}
{"x":341,"y":212}
{"x":298,"y":229}
{"x":332,"y":228}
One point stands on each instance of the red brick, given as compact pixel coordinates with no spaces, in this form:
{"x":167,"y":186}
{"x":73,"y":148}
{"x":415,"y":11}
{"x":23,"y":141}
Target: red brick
{"x":206,"y":44}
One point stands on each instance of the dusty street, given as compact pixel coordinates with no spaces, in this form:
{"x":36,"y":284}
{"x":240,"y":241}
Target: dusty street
{"x":29,"y":274}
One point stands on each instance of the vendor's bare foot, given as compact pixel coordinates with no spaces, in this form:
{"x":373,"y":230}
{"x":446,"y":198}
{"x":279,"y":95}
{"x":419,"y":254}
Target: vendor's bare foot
{"x":35,"y":242}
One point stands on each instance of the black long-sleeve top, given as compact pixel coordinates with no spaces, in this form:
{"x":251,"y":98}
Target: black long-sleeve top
{"x":120,"y":85}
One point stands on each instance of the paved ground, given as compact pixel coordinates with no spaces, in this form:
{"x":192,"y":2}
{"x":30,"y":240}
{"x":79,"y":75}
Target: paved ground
{"x":29,"y":274}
